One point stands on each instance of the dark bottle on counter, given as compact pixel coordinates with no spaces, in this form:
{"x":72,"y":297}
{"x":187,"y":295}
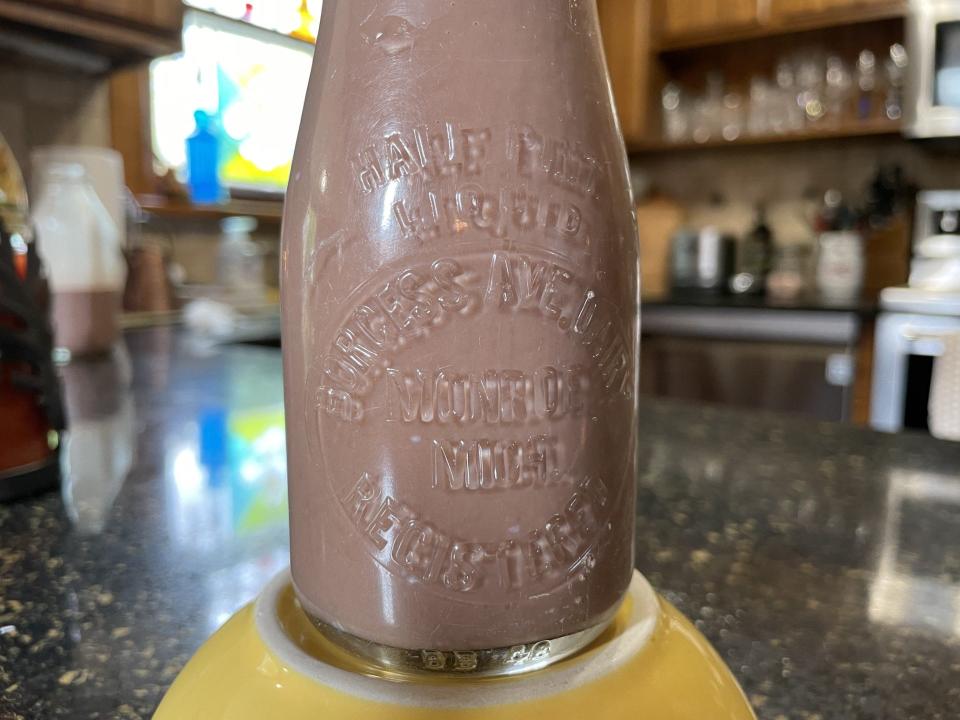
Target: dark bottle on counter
{"x":31,"y":410}
{"x":753,"y":260}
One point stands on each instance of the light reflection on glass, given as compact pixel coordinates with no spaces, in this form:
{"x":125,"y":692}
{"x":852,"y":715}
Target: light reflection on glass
{"x":897,"y":596}
{"x":98,"y":448}
{"x":229,"y":476}
{"x":187,"y":474}
{"x":384,"y":579}
{"x":230,"y":588}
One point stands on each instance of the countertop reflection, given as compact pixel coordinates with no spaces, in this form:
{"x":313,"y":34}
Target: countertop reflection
{"x":823,"y":561}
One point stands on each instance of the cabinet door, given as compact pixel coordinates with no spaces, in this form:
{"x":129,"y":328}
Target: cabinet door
{"x":682,"y":18}
{"x":165,"y":14}
{"x":792,"y":8}
{"x":627,"y":35}
{"x":788,"y":9}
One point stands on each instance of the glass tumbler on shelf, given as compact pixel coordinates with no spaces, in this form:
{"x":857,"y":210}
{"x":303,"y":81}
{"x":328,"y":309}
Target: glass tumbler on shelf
{"x":810,"y":81}
{"x":866,"y":85}
{"x":707,"y":111}
{"x":676,"y":121}
{"x":839,"y":84}
{"x":732,"y":115}
{"x":895,"y":71}
{"x":758,"y":107}
{"x":786,"y":110}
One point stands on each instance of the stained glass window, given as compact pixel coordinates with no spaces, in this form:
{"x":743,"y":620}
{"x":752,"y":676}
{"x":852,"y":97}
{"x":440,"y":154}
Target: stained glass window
{"x":298,"y":18}
{"x":249,"y":76}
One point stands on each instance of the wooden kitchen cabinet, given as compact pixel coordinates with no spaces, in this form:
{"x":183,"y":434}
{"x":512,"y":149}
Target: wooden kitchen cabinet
{"x":683,"y":19}
{"x":121,"y":31}
{"x":810,"y":12}
{"x":626,"y":26}
{"x":686,"y":24}
{"x":167,"y":14}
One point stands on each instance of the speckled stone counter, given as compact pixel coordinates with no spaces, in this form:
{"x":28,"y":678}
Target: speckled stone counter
{"x":823,"y":562}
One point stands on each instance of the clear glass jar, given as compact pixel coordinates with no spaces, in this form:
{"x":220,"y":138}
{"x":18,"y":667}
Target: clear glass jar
{"x":80,"y":245}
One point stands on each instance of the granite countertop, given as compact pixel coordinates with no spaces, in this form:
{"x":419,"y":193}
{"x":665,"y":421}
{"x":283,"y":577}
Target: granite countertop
{"x":822,"y":561}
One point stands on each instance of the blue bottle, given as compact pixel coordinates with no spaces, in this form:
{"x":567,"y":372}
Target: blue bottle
{"x":203,"y":162}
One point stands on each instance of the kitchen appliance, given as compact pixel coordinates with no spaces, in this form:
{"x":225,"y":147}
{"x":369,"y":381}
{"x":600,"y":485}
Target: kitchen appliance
{"x":932,"y":98}
{"x":489,"y":531}
{"x":936,"y":244}
{"x":910,"y":334}
{"x":915,"y":320}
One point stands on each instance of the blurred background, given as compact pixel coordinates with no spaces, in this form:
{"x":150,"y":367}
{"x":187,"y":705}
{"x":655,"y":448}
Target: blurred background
{"x":793,"y":161}
{"x":794,"y":168}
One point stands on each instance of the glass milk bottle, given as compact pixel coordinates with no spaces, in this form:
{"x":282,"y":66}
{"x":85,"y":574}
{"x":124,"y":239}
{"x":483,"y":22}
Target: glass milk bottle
{"x":460,"y":334}
{"x":81,"y":247}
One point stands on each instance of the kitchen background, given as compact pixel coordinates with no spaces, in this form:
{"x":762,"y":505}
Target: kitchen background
{"x":777,"y":146}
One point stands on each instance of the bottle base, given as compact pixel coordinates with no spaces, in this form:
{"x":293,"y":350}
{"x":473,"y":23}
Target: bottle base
{"x":270,"y":661}
{"x":493,"y":662}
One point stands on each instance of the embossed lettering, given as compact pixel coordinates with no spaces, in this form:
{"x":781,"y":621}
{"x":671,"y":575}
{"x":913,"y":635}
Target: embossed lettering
{"x":400,"y":159}
{"x":369,"y":174}
{"x":362,"y":498}
{"x":387,"y":517}
{"x":415,"y":547}
{"x":451,"y":396}
{"x":562,"y":162}
{"x":496,"y":464}
{"x":475,"y":150}
{"x":501,"y":283}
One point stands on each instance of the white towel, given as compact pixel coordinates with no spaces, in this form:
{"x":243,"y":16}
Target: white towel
{"x":944,"y":404}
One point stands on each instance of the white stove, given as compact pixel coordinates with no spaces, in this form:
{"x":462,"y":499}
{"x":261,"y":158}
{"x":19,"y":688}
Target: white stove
{"x":909,"y":337}
{"x":918,"y":300}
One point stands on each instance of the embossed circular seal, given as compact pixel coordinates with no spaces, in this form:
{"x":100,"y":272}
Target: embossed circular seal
{"x":478,"y":406}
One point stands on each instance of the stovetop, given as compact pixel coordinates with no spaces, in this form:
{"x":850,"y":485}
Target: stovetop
{"x":923,"y":302}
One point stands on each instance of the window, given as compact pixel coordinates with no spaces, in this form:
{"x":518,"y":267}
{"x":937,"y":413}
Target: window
{"x":298,"y":18}
{"x":250,"y":75}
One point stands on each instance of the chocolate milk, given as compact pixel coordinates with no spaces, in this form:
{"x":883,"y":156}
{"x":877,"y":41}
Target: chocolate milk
{"x":86,"y":322}
{"x":460,"y":303}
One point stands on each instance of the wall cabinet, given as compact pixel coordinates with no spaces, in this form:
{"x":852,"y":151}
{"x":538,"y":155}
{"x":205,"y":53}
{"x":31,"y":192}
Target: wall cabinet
{"x":792,"y":8}
{"x":685,"y":18}
{"x":695,"y":23}
{"x":626,"y":27}
{"x":119,"y":31}
{"x":166,"y":14}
